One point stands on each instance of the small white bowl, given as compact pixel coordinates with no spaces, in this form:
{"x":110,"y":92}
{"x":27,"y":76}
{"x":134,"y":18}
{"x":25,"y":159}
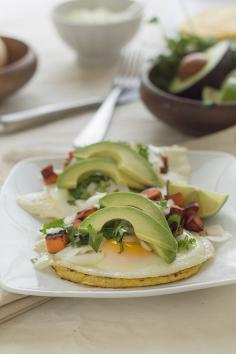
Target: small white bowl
{"x":98,"y":43}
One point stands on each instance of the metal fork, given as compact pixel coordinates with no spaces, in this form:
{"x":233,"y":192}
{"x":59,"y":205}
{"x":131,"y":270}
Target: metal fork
{"x":126,"y":79}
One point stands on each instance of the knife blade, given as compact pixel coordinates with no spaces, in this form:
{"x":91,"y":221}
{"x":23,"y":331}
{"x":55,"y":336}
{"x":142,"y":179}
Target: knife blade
{"x":27,"y":119}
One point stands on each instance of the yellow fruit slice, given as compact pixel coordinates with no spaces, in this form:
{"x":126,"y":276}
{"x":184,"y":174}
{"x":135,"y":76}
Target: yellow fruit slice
{"x":210,"y":202}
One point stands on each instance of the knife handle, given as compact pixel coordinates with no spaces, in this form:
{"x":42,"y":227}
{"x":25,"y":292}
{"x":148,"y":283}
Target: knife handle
{"x":29,"y":118}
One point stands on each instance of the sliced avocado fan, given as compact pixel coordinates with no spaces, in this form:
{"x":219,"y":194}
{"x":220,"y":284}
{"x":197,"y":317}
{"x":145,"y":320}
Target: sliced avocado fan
{"x":75,"y":173}
{"x":138,"y":201}
{"x":210,"y":202}
{"x":146,"y":228}
{"x":129,"y":162}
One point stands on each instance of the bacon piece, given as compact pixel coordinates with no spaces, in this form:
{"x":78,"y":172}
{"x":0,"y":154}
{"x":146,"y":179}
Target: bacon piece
{"x":81,"y":215}
{"x":152,"y":193}
{"x":191,"y":209}
{"x":49,"y":176}
{"x":165,"y":168}
{"x":175,"y":209}
{"x":177,"y":198}
{"x":76,"y":223}
{"x":194,"y":223}
{"x":56,"y":242}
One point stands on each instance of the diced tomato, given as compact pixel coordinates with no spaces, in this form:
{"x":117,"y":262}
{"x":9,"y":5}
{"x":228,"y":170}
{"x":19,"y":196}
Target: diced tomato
{"x":49,"y":176}
{"x":164,"y":169}
{"x":152,"y":193}
{"x":194,"y":223}
{"x":177,"y":198}
{"x":56,"y":242}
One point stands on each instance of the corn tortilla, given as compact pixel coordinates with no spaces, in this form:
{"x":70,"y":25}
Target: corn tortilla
{"x":106,"y":282}
{"x":216,"y":22}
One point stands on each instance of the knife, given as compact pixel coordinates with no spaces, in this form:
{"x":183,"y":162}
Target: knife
{"x":17,"y":121}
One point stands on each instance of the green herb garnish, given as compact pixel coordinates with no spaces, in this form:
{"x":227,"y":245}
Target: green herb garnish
{"x":142,"y":150}
{"x":117,"y":229}
{"x":95,"y":238}
{"x":162,"y":203}
{"x":174,"y":221}
{"x":177,"y":48}
{"x":52,"y":224}
{"x":81,"y":192}
{"x":186,"y":243}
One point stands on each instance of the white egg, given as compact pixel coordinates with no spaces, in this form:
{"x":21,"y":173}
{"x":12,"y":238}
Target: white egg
{"x":137,"y":262}
{"x":53,"y":203}
{"x":178,"y":162}
{"x":50,"y":203}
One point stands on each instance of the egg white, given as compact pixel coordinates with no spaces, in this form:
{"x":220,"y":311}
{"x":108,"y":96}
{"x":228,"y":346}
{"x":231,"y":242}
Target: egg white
{"x":150,"y":265}
{"x":52,"y":203}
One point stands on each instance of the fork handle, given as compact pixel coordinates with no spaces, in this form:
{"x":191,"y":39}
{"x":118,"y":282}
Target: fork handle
{"x":96,"y":129}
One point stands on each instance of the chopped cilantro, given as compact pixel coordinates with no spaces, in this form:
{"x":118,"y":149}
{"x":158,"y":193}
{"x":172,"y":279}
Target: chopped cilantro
{"x":95,"y":238}
{"x":52,"y":224}
{"x":142,"y":150}
{"x":117,"y":229}
{"x":81,"y":192}
{"x":77,"y":237}
{"x":162,"y":203}
{"x":186,"y":243}
{"x":174,"y":223}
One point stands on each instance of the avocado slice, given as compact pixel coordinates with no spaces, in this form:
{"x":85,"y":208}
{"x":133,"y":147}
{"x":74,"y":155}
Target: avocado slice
{"x":219,"y":63}
{"x":75,"y":173}
{"x":129,"y":162}
{"x":138,"y":201}
{"x":145,"y":227}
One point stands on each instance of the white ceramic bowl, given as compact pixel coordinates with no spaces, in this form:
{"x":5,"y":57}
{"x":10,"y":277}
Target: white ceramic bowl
{"x":97,"y":43}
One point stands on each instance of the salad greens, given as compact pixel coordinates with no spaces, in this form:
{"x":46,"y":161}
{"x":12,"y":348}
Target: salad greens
{"x":177,"y":47}
{"x":142,"y":150}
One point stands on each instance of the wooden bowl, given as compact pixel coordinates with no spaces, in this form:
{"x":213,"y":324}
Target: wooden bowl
{"x":21,"y":65}
{"x":188,"y":115}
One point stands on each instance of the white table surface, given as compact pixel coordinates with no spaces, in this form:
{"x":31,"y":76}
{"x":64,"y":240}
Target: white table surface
{"x":196,"y":322}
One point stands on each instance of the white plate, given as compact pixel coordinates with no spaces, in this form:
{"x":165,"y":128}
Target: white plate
{"x":212,"y":170}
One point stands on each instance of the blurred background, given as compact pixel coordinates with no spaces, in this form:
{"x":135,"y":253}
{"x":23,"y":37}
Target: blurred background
{"x":59,"y":75}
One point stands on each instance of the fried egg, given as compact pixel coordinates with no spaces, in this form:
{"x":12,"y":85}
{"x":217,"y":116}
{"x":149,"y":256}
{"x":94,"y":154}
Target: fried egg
{"x":137,"y":262}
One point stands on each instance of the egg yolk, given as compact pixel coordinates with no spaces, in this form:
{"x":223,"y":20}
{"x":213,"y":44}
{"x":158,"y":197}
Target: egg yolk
{"x":130,"y":249}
